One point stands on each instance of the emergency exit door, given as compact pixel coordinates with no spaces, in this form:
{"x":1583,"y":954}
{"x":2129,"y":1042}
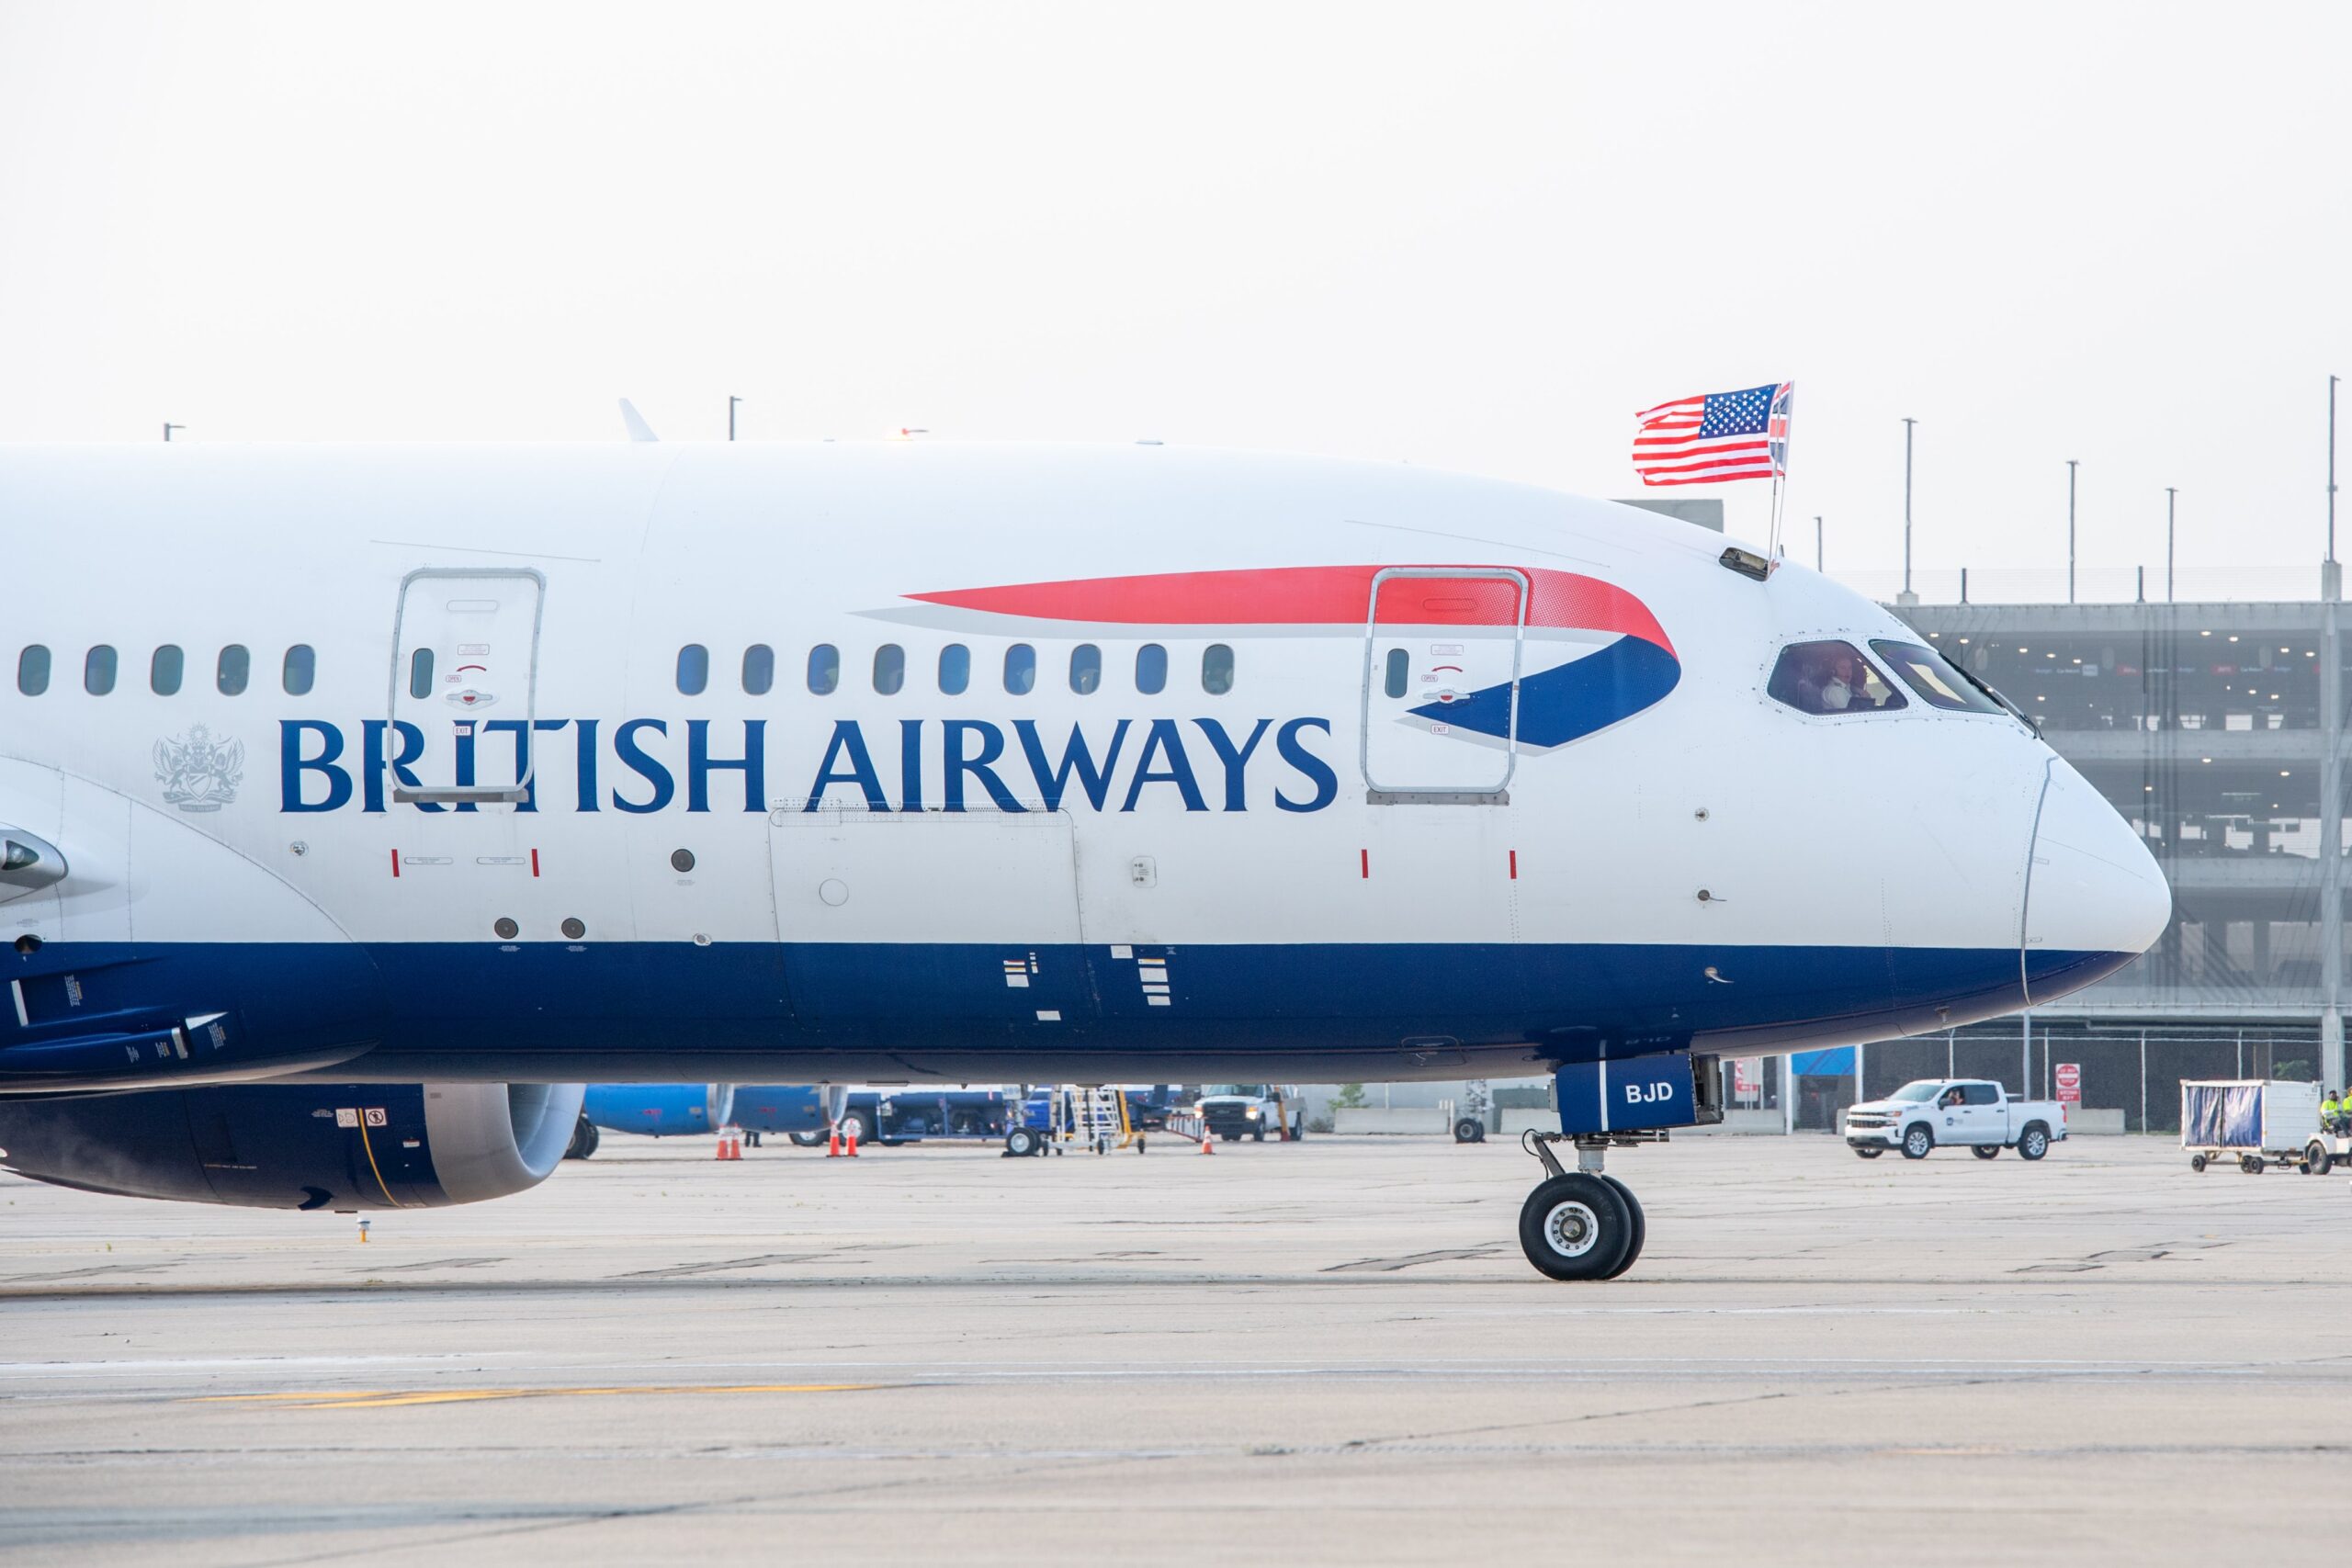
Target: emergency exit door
{"x":465,"y":686}
{"x":1441,"y":691}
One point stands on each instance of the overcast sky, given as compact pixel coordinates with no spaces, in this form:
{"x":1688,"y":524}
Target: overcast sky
{"x":1477,"y":236}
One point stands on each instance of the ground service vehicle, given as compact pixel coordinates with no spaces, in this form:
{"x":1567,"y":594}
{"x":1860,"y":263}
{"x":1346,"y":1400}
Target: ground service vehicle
{"x":957,"y":763}
{"x":1975,"y":1112}
{"x":2259,"y":1122}
{"x":1252,"y":1111}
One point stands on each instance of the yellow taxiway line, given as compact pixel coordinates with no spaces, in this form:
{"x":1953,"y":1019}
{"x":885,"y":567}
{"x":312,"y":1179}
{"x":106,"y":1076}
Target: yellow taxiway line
{"x":380,"y":1398}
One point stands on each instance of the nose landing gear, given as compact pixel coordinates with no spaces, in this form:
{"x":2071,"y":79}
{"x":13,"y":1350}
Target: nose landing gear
{"x":1582,"y":1223}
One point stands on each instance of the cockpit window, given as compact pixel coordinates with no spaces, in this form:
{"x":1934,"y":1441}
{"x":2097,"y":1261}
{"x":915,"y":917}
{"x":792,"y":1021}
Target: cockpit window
{"x":1830,"y":678}
{"x":1924,"y":670}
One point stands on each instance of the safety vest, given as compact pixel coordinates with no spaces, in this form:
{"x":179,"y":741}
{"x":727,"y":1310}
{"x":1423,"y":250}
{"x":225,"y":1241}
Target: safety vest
{"x":2329,"y":1110}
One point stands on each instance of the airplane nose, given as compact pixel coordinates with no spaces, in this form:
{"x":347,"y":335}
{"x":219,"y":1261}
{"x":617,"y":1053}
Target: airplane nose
{"x":2094,"y":898}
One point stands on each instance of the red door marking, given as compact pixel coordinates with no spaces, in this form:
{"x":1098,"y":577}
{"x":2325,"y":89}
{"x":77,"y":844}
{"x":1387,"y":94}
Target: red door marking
{"x":396,"y":862}
{"x":1365,"y":861}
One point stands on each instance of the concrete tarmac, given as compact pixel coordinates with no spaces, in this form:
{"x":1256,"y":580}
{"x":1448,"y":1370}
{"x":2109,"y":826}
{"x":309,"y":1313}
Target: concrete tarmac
{"x":1327,"y":1352}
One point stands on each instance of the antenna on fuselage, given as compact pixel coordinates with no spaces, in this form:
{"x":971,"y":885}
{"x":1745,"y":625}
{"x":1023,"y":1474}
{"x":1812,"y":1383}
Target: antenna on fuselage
{"x":635,"y":423}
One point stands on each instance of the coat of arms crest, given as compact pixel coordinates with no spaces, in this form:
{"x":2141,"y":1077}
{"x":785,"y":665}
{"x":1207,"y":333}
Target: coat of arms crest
{"x":198,"y":772}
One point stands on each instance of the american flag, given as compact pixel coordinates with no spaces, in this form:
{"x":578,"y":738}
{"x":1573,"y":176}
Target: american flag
{"x":1718,"y":436}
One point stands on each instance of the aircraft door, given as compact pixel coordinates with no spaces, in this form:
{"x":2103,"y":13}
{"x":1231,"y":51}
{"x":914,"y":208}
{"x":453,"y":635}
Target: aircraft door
{"x":464,"y":685}
{"x":1443,"y":648}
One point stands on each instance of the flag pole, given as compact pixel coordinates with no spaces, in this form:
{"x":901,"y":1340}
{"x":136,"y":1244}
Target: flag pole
{"x":1781,"y":411}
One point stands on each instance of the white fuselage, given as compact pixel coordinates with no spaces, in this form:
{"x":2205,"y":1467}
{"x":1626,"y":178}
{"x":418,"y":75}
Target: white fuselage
{"x":1267,"y":866}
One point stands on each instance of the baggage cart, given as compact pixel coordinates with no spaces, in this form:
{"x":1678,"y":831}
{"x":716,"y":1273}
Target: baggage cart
{"x":2259,"y":1122}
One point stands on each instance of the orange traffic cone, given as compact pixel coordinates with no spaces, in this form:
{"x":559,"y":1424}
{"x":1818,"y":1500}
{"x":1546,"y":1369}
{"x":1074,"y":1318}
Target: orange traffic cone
{"x":1208,"y":1142}
{"x":851,"y":1149}
{"x":834,"y":1147}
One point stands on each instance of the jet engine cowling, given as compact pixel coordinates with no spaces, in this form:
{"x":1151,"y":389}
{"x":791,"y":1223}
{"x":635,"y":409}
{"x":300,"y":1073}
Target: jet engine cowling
{"x":340,"y":1147}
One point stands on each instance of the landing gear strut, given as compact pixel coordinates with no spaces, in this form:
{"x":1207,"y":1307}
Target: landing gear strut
{"x":1582,"y":1223}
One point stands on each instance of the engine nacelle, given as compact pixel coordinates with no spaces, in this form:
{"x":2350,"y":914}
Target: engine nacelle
{"x":297,"y":1146}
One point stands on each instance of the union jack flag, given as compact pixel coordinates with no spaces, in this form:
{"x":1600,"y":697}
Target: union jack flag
{"x":1715,"y":436}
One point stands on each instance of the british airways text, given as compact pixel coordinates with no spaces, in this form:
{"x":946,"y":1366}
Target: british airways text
{"x":643,"y":765}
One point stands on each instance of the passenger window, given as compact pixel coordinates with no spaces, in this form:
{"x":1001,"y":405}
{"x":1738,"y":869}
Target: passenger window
{"x":1400,"y":665}
{"x":301,"y":670}
{"x":165,"y":669}
{"x":954,"y":669}
{"x":235,"y":669}
{"x":759,"y":670}
{"x":1216,"y":669}
{"x":1020,"y":668}
{"x":420,"y":674}
{"x":890,"y":669}
{"x":1924,"y":671}
{"x":33,"y":671}
{"x":97,"y":671}
{"x":694,"y":669}
{"x":1085,"y":669}
{"x":824,"y":668}
{"x":1151,"y":668}
{"x":1979,"y":1094}
{"x":1830,"y":678}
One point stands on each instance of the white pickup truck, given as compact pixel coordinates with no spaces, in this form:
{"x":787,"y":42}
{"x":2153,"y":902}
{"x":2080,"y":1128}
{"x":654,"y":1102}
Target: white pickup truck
{"x":1919,"y":1115}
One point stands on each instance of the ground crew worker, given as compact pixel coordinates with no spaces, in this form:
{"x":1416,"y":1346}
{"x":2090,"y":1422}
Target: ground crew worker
{"x":2329,"y":1110}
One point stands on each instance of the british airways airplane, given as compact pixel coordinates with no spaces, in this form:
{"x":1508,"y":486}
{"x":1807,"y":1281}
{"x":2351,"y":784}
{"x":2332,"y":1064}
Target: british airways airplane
{"x":360,"y":804}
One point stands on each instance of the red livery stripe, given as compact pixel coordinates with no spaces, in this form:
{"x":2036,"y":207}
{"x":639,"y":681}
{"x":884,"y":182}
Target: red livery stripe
{"x":1298,"y":596}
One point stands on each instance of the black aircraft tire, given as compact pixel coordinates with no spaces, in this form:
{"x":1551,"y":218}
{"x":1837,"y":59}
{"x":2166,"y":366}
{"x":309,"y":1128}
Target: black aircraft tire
{"x":1021,"y":1142}
{"x":1640,"y":1227}
{"x":585,"y":1139}
{"x":1985,"y":1151}
{"x":1574,"y":1226}
{"x":807,"y":1140}
{"x":1868,"y":1151}
{"x":1466,"y":1130}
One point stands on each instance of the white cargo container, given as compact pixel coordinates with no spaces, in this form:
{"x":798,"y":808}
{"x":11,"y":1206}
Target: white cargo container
{"x":2257,"y":1121}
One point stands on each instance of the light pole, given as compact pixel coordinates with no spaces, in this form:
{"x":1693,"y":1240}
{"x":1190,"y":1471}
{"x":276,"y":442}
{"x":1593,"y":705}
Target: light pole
{"x":2331,"y":575}
{"x":169,"y":428}
{"x":2170,"y":495}
{"x":1816,"y":544}
{"x":1907,"y":597}
{"x":731,"y":401}
{"x":2070,"y":530}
